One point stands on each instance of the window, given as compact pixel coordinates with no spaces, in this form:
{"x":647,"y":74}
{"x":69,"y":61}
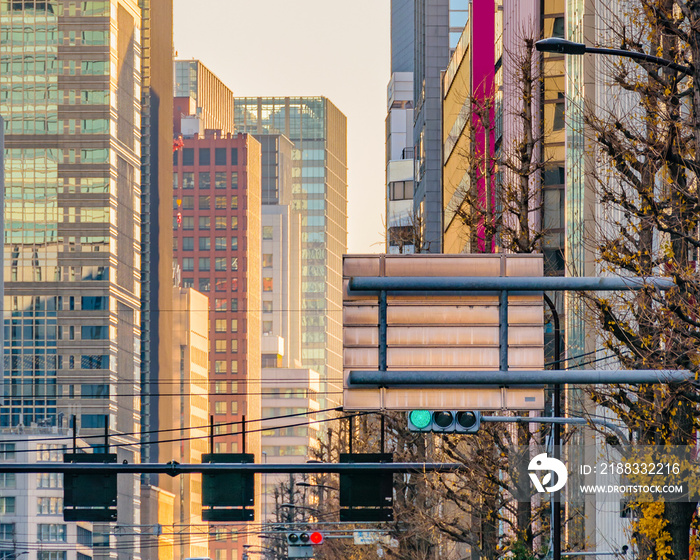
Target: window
{"x":219,"y":447}
{"x":220,"y":202}
{"x":204,"y":202}
{"x":220,"y":366}
{"x":234,"y":345}
{"x":234,"y":180}
{"x":220,"y":407}
{"x":204,"y":156}
{"x":234,"y":222}
{"x":220,"y":244}
{"x":234,"y":366}
{"x":219,"y":156}
{"x":401,"y":190}
{"x":94,"y":332}
{"x":175,"y":158}
{"x":204,"y":222}
{"x":267,"y":232}
{"x":220,"y":346}
{"x":188,"y":181}
{"x":234,"y":264}
{"x":234,"y":156}
{"x":220,"y":325}
{"x":204,"y":180}
{"x":84,"y":536}
{"x":7,"y":531}
{"x":220,"y":222}
{"x":7,"y":504}
{"x":234,"y":304}
{"x":93,"y":303}
{"x":204,"y":243}
{"x":234,"y":243}
{"x":220,"y":387}
{"x":94,"y":362}
{"x":94,"y":391}
{"x":188,"y":263}
{"x":49,"y":480}
{"x":234,"y":325}
{"x":220,"y":180}
{"x":204,"y":284}
{"x":51,"y":532}
{"x":267,"y":306}
{"x":267,"y":284}
{"x":220,"y":304}
{"x":49,"y":506}
{"x":220,"y":284}
{"x":220,"y":263}
{"x":234,"y":285}
{"x":8,"y":480}
{"x":187,"y":156}
{"x":54,"y":555}
{"x":204,"y":264}
{"x":188,"y":243}
{"x":188,"y":223}
{"x":92,"y":420}
{"x":234,"y":203}
{"x":267,"y":260}
{"x":267,"y":327}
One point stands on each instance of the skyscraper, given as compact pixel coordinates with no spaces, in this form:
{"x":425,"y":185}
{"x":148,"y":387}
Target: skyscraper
{"x":76,"y":82}
{"x":319,"y":133}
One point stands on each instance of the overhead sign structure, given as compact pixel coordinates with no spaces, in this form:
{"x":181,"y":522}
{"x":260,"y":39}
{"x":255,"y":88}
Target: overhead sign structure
{"x":441,"y":331}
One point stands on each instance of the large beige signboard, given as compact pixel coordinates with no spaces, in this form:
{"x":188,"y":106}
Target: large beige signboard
{"x":442,"y":331}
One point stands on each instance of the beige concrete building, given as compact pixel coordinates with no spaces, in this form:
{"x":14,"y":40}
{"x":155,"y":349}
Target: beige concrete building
{"x":185,"y":411}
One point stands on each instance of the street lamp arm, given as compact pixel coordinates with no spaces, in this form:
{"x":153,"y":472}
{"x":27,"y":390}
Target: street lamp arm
{"x":563,"y":46}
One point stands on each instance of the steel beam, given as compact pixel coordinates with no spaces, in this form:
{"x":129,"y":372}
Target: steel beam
{"x":175,"y":469}
{"x":515,"y":378}
{"x":513,"y":283}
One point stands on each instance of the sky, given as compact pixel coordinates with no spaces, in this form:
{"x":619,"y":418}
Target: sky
{"x":339,"y":49}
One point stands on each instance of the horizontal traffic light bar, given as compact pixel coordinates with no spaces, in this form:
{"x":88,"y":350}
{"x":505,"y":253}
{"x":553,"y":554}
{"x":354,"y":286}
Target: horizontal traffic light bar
{"x":514,"y":378}
{"x":175,"y":469}
{"x":509,"y":283}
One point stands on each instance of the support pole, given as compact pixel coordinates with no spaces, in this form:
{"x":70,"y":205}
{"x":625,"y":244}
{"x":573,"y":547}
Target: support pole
{"x":503,"y":331}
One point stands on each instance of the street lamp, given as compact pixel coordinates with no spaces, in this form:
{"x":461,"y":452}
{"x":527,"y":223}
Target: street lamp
{"x":563,"y":46}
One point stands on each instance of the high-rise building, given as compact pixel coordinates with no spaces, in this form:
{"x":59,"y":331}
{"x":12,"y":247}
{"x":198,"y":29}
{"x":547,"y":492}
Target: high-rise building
{"x":436,"y":32}
{"x":73,"y":239}
{"x":217,"y":237}
{"x":319,"y":133}
{"x":212,"y":100}
{"x":186,"y":391}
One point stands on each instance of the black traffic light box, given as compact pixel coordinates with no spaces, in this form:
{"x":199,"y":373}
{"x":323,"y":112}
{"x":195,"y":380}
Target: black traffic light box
{"x":227,"y":496}
{"x":366,"y":495}
{"x":90,"y":497}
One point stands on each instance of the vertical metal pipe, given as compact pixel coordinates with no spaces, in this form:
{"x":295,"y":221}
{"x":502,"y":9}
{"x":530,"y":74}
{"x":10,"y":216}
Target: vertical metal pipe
{"x":556,"y":431}
{"x":211,"y":433}
{"x":503,"y":331}
{"x":382,"y":435}
{"x":351,"y":429}
{"x":243,"y":428}
{"x":382,"y":330}
{"x":75,"y":433}
{"x":106,"y":433}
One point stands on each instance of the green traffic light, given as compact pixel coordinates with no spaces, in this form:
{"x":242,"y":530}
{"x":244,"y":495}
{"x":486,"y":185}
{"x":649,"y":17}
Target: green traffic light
{"x":421,"y":419}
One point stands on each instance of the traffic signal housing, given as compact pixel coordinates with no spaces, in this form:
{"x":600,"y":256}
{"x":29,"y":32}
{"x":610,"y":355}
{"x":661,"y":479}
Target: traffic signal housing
{"x":444,"y":421}
{"x":304,"y":538}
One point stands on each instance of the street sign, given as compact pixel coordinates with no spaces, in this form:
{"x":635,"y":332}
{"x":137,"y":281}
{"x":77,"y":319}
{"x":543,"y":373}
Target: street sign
{"x":366,"y":537}
{"x":441,"y":331}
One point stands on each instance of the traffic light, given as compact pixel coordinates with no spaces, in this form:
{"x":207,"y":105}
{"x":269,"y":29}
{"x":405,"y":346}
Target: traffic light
{"x":300,"y":545}
{"x":444,"y":421}
{"x":304,"y":539}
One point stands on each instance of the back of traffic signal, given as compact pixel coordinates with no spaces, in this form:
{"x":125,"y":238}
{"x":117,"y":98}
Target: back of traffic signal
{"x":444,"y":421}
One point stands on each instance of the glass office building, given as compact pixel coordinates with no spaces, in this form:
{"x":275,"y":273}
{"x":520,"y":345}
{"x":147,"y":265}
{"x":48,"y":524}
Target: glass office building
{"x":319,"y":132}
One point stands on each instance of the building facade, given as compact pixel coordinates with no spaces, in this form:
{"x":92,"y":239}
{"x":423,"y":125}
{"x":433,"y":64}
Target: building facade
{"x":319,"y":133}
{"x":31,"y":505}
{"x":212,"y":99}
{"x":217,"y":236}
